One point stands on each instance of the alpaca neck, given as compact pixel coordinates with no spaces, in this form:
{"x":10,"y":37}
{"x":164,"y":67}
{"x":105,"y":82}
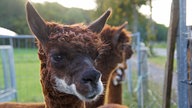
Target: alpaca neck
{"x":106,"y":65}
{"x":114,"y":92}
{"x":65,"y":101}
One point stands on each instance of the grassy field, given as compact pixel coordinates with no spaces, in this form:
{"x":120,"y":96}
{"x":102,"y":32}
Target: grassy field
{"x":161,"y":61}
{"x":160,"y":45}
{"x":27,"y":75}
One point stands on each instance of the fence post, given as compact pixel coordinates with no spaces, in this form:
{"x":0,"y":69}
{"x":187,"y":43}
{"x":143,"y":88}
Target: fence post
{"x":5,"y":68}
{"x":11,"y":41}
{"x":189,"y":66}
{"x":139,"y":93}
{"x":129,"y":76}
{"x":144,"y":71}
{"x":171,"y":39}
{"x":12,"y":70}
{"x":182,"y":57}
{"x":189,"y":49}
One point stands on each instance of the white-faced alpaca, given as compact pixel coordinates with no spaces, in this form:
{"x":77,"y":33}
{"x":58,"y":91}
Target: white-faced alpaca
{"x":68,"y":55}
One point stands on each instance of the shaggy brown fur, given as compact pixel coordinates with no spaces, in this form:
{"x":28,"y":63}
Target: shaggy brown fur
{"x":84,"y":44}
{"x":68,"y":55}
{"x":113,"y":106}
{"x":22,"y":105}
{"x":115,"y":91}
{"x":117,"y":39}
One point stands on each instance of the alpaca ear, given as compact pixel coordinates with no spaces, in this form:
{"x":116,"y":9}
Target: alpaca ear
{"x":99,"y":23}
{"x":36,"y":24}
{"x":118,"y":32}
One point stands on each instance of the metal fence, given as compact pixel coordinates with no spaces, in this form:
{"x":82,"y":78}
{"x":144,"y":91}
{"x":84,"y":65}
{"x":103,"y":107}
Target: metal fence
{"x":20,"y":41}
{"x":145,"y":79}
{"x":184,"y":50}
{"x":26,"y":65}
{"x":7,"y":82}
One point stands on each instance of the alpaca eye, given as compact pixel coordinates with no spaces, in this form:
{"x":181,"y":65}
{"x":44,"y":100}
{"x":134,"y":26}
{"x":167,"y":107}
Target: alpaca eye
{"x":58,"y":58}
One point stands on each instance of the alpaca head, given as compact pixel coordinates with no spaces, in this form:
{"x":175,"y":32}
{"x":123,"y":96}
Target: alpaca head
{"x":120,"y":41}
{"x":69,"y":53}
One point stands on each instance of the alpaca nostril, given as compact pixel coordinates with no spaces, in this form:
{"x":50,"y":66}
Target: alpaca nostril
{"x":91,"y":76}
{"x":87,"y":80}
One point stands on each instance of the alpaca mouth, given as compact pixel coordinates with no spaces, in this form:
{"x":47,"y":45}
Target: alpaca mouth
{"x":94,"y":94}
{"x":91,"y":96}
{"x":91,"y":93}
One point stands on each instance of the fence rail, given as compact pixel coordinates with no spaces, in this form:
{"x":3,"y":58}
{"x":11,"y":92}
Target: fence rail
{"x":19,"y":41}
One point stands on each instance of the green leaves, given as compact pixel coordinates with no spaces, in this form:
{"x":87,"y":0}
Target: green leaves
{"x":12,"y":14}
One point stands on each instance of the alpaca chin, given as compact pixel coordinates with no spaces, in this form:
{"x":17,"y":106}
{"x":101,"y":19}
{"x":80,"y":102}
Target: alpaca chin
{"x":62,"y":86}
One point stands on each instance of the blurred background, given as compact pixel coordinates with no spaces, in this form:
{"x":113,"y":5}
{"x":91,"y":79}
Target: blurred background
{"x":150,"y":17}
{"x":148,"y":21}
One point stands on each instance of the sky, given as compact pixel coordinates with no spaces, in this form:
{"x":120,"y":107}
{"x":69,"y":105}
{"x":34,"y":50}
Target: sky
{"x":189,"y":13}
{"x":160,"y":13}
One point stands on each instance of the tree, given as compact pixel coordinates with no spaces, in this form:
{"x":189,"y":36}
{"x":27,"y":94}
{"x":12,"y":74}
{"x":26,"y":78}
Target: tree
{"x":12,"y":14}
{"x":122,"y":10}
{"x":127,"y":10}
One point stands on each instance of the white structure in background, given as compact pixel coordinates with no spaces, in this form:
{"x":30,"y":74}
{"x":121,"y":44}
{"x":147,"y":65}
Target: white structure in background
{"x":4,"y":31}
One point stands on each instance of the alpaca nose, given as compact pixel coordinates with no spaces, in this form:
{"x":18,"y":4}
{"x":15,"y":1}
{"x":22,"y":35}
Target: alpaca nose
{"x":91,"y":76}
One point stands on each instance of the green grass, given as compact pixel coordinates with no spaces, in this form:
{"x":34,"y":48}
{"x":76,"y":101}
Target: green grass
{"x":1,"y":74}
{"x":128,"y":98}
{"x":161,"y":61}
{"x":160,"y":45}
{"x":27,"y":68}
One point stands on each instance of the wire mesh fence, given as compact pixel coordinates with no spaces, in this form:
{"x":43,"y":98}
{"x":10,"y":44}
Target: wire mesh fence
{"x":26,"y":67}
{"x":145,"y":79}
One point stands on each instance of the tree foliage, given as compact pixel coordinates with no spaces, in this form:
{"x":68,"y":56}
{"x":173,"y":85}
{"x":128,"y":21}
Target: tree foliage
{"x":123,"y":11}
{"x":12,"y":14}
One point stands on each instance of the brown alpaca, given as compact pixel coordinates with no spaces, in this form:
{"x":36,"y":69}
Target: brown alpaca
{"x":68,"y":55}
{"x":21,"y":105}
{"x":115,"y":87}
{"x":117,"y":38}
{"x":115,"y":81}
